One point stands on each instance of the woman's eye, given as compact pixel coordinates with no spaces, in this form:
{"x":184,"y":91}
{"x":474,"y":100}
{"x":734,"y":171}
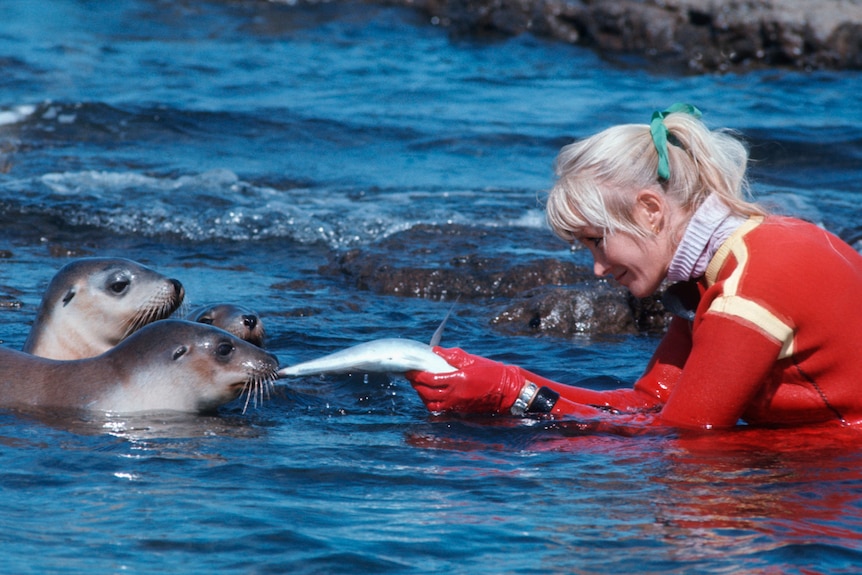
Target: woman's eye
{"x":597,"y":242}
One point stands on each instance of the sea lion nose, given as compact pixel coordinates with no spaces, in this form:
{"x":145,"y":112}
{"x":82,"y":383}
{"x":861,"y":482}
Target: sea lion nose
{"x":249,"y":321}
{"x":178,"y":288}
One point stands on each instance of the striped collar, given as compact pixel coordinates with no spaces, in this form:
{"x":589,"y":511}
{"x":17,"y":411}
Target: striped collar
{"x":709,"y":227}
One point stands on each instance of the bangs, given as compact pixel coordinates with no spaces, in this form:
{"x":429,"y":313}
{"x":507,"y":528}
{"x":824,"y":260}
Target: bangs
{"x":566,"y":220}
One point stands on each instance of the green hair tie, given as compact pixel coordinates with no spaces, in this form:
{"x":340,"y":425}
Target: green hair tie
{"x":659,"y":134}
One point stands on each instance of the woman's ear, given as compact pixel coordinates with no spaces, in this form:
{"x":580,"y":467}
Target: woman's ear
{"x":650,"y":210}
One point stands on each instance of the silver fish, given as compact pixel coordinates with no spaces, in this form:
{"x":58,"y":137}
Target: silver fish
{"x":388,"y":355}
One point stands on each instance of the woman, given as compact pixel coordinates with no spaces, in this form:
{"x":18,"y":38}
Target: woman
{"x":774,"y":332}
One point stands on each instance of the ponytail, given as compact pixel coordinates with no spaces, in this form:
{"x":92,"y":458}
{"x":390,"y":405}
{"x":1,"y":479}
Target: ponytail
{"x":599,"y":177}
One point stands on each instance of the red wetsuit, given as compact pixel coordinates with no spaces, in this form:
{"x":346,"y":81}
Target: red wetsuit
{"x":776,"y":337}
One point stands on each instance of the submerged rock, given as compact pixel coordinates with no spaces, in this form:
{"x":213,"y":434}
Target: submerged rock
{"x":524,"y":294}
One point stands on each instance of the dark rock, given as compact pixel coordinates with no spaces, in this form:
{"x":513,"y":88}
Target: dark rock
{"x":698,"y":35}
{"x":585,"y":309}
{"x":542,"y":295}
{"x":469,"y":277}
{"x":9,"y":302}
{"x":402,"y":265}
{"x":60,"y":251}
{"x":582,"y":310}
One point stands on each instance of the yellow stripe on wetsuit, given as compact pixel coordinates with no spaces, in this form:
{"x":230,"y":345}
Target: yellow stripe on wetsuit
{"x":735,"y":305}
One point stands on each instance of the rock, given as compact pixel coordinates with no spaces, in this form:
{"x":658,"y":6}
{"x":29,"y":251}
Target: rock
{"x":697,"y":35}
{"x":594,"y":308}
{"x":539,"y":295}
{"x":9,"y":302}
{"x":468,"y":277}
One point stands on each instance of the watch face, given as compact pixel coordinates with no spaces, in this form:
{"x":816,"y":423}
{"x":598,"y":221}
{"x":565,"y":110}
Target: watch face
{"x":544,"y":401}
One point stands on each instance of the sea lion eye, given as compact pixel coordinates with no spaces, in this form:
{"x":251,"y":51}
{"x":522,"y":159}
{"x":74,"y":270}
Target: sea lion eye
{"x":205,"y":319}
{"x":224,"y":349}
{"x":119,"y":284}
{"x":180,"y":351}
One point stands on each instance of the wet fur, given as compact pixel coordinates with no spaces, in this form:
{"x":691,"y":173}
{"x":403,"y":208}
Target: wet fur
{"x":92,"y":304}
{"x":238,"y":320}
{"x":169,"y":365}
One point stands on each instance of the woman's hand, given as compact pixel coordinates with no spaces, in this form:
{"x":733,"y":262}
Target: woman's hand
{"x":479,"y":385}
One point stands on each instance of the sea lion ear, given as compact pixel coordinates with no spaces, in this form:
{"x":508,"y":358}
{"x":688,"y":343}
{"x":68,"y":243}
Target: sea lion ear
{"x":179,"y":352}
{"x":68,"y":297}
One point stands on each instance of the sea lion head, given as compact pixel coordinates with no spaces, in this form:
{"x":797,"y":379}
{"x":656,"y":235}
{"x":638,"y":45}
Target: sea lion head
{"x":92,"y":304}
{"x":238,"y":320}
{"x":178,"y":365}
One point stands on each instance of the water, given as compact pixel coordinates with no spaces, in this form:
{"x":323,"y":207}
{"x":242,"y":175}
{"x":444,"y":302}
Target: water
{"x":239,"y":147}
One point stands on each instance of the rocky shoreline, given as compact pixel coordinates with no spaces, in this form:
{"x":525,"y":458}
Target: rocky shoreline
{"x":687,"y":35}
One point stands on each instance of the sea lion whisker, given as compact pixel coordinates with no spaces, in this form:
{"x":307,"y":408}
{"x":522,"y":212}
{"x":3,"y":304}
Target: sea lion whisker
{"x":158,"y":307}
{"x":144,"y":316}
{"x":269,"y":385}
{"x":130,"y":325}
{"x":258,"y":388}
{"x":265,"y":386}
{"x":247,"y":389}
{"x":253,"y":387}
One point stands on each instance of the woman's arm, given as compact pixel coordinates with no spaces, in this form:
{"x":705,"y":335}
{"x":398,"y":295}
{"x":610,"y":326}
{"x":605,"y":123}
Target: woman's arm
{"x":484,"y":386}
{"x":724,"y":376}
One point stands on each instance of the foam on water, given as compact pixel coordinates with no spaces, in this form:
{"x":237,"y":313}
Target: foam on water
{"x":16,"y":114}
{"x":216,"y":205}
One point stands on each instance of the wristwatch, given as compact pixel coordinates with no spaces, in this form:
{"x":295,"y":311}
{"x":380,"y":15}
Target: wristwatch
{"x":534,"y":399}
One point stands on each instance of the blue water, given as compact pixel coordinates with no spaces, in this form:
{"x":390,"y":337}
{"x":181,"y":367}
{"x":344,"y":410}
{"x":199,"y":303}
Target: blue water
{"x":239,"y":146}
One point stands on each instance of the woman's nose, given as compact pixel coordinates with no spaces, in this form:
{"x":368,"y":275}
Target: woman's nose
{"x":600,"y":269}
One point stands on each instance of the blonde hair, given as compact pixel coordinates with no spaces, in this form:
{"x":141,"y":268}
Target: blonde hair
{"x":599,"y":177}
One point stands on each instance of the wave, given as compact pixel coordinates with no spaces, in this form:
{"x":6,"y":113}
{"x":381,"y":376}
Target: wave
{"x":158,"y":171}
{"x":218,"y":205}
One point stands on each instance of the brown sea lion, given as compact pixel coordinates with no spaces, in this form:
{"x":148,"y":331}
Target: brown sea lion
{"x":235,"y":319}
{"x":92,"y":304}
{"x":169,"y":365}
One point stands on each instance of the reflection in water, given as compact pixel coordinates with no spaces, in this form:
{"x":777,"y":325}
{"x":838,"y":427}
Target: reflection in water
{"x":749,"y":499}
{"x":138,"y":427}
{"x":784,"y":491}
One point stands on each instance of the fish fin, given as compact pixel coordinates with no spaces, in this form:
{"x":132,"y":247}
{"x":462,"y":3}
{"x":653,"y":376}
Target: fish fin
{"x":438,"y":333}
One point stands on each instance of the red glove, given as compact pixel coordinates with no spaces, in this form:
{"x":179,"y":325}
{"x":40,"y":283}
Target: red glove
{"x":479,"y":386}
{"x":483,"y":386}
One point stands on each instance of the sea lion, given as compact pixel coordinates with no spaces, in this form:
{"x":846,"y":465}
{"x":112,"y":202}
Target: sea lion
{"x":235,"y":319}
{"x":168,"y":365}
{"x":92,"y":304}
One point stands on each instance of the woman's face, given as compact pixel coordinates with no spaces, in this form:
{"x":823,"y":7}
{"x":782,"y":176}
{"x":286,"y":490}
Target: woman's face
{"x":639,"y":264}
